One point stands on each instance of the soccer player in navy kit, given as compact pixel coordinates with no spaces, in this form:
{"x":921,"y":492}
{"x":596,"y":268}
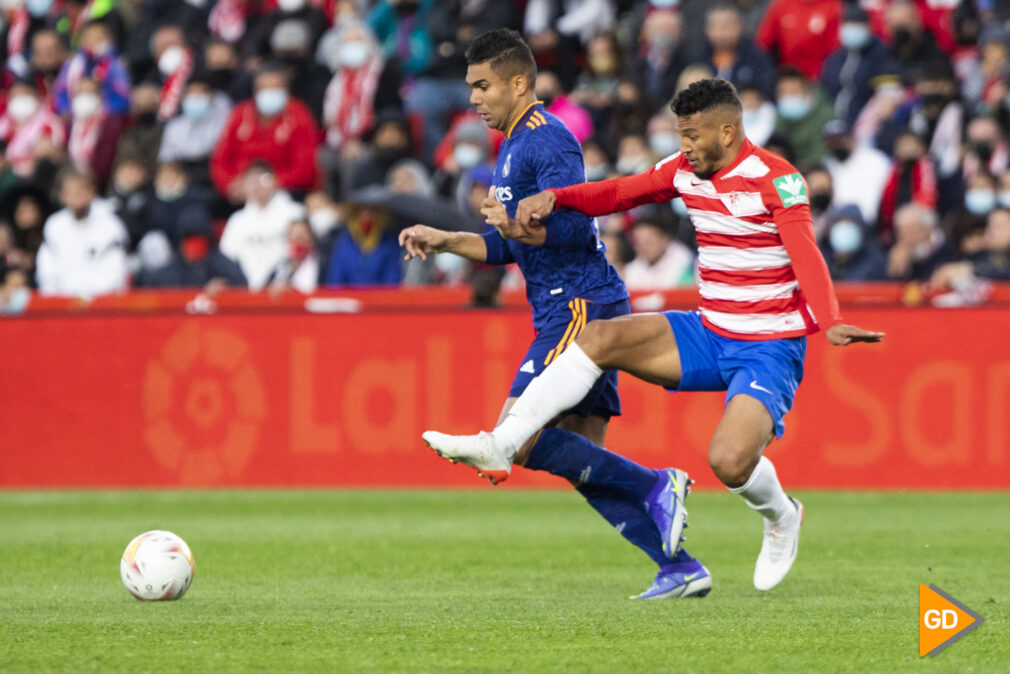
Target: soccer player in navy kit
{"x":568,"y":283}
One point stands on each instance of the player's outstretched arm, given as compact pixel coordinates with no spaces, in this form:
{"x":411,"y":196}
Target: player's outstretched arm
{"x":420,"y":240}
{"x":843,"y":335}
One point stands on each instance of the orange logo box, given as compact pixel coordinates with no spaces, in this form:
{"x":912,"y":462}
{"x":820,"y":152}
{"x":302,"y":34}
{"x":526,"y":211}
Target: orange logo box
{"x":942,"y":620}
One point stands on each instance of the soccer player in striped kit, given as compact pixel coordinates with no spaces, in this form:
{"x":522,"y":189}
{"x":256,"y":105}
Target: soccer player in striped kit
{"x":764,"y":287}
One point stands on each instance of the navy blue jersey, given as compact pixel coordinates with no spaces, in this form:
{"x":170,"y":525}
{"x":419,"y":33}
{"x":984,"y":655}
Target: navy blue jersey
{"x":539,"y":153}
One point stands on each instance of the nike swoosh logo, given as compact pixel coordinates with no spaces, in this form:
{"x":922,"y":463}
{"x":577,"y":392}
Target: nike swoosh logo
{"x":754,"y":385}
{"x":688,"y":579}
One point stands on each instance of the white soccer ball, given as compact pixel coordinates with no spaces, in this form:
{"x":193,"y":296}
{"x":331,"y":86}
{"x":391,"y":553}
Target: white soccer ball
{"x":157,"y":565}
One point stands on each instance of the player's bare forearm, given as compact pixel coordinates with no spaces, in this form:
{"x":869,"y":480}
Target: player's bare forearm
{"x":843,"y":335}
{"x":468,"y":245}
{"x":420,"y":240}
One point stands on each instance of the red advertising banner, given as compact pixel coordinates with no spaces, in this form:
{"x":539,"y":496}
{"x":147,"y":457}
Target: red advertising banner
{"x":299,"y":399}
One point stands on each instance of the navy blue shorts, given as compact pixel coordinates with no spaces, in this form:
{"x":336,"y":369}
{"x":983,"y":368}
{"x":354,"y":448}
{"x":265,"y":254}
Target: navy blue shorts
{"x":602,"y":400}
{"x":769,"y":370}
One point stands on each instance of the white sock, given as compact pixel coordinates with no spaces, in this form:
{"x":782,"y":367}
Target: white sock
{"x":562,"y":385}
{"x":763,"y":493}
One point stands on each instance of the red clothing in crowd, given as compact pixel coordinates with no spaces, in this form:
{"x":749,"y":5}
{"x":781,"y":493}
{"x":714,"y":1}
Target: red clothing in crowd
{"x":937,"y":18}
{"x":288,"y":142}
{"x":801,"y":33}
{"x":916,"y":185}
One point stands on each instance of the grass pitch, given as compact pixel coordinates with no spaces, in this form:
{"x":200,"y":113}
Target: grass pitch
{"x":490,"y":580}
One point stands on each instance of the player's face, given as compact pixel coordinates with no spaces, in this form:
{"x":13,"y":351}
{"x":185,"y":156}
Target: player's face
{"x":491,"y":95}
{"x":701,"y":141}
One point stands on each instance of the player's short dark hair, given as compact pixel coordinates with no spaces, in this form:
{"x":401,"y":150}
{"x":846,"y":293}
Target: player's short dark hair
{"x":506,"y":52}
{"x":705,"y":95}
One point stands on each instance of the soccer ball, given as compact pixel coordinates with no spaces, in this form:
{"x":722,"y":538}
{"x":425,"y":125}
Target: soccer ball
{"x":157,"y":565}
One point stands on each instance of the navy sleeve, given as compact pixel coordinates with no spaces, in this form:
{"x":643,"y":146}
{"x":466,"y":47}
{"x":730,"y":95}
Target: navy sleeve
{"x":559,"y":164}
{"x":497,"y":250}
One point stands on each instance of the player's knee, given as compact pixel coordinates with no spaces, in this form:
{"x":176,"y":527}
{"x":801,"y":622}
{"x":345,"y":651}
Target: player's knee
{"x":730,"y":463}
{"x":599,"y":340}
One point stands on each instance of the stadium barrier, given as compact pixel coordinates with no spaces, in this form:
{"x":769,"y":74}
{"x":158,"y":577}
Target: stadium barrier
{"x":172,"y":389}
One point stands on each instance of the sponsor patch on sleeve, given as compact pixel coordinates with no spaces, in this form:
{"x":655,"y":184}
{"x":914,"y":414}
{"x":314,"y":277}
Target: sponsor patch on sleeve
{"x":792,"y":190}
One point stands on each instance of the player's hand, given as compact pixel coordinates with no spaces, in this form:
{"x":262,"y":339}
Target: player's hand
{"x":843,"y":335}
{"x":420,"y":240}
{"x":536,"y":207}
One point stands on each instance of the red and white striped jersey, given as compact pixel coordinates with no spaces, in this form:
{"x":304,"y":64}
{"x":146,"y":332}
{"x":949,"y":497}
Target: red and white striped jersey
{"x":761,"y":273}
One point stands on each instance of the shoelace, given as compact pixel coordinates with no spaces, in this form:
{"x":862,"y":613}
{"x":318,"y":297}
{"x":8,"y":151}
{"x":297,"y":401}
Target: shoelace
{"x":777,"y":545}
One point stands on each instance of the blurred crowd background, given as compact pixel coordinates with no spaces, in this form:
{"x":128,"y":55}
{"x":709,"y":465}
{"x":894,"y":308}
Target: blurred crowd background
{"x":276,"y":144}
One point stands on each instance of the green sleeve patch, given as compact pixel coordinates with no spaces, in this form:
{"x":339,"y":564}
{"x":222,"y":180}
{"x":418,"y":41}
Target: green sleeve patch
{"x":792,"y":190}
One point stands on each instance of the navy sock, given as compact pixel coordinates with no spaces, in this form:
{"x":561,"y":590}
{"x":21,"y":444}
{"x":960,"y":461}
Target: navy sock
{"x":629,"y":518}
{"x":571,"y":456}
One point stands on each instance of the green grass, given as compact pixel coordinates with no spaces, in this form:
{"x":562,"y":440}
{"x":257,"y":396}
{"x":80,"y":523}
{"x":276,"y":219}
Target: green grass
{"x":489,"y":580}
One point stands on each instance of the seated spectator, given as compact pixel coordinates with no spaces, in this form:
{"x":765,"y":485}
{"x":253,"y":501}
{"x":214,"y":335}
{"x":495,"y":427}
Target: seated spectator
{"x":800,"y":33}
{"x":664,"y":139}
{"x":258,"y":43}
{"x":821,"y":189}
{"x":803,"y":112}
{"x":470,"y":148}
{"x":289,"y":45}
{"x":130,"y":196}
{"x":142,"y":137}
{"x":26,"y":126}
{"x":920,"y":246}
{"x":301,"y":267}
{"x":660,"y":260}
{"x":401,"y":27}
{"x":175,"y":202}
{"x":634,"y":155}
{"x":911,"y":44}
{"x":548,"y":89}
{"x":630,"y":115}
{"x":366,"y":251}
{"x":83,"y":253}
{"x":47,"y":58}
{"x":992,"y":261}
{"x":174,"y":60}
{"x":596,"y":88}
{"x":190,"y":137}
{"x":190,"y":17}
{"x":96,"y":57}
{"x":661,"y":57}
{"x":26,"y":208}
{"x":733,"y":56}
{"x":389,"y":142}
{"x":224,"y":72}
{"x":850,"y":248}
{"x":759,"y":115}
{"x":322,"y":214}
{"x":597,"y":162}
{"x":196,"y":262}
{"x":980,"y":195}
{"x":255,"y":235}
{"x":887,"y":99}
{"x":273,"y":127}
{"x":94,"y":132}
{"x":858,"y":173}
{"x":26,"y":21}
{"x":912,"y":180}
{"x":987,"y":150}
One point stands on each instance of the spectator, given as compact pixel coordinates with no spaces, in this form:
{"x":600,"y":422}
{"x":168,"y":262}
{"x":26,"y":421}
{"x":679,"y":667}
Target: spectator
{"x":733,"y":56}
{"x":93,"y":132}
{"x":986,"y":150}
{"x":850,"y":248}
{"x":401,"y":26}
{"x":322,"y":214}
{"x":174,"y":63}
{"x":255,"y":236}
{"x":634,"y":155}
{"x":661,"y":57}
{"x":920,"y":246}
{"x":619,"y":251}
{"x":660,"y":261}
{"x":874,"y":120}
{"x":802,"y":113}
{"x":26,"y":208}
{"x":191,"y":17}
{"x":366,"y":252}
{"x":313,"y":19}
{"x":142,"y":138}
{"x":574,"y":116}
{"x":190,"y":137}
{"x":556,"y":31}
{"x":196,"y":263}
{"x":858,"y":173}
{"x":821,"y":192}
{"x":990,"y":261}
{"x":597,"y":162}
{"x":301,"y":267}
{"x":911,"y":44}
{"x":596,"y":88}
{"x":130,"y":196}
{"x":271,"y":127}
{"x":630,"y":114}
{"x":175,"y":202}
{"x":96,"y":57}
{"x":759,"y":115}
{"x":801,"y":33}
{"x":850,"y":70}
{"x":47,"y":58}
{"x":83,"y":253}
{"x":390,"y":142}
{"x":308,"y":80}
{"x":912,"y":180}
{"x":692,"y":13}
{"x":664,"y":139}
{"x":27,"y":126}
{"x":222,"y":67}
{"x":26,"y":22}
{"x":470,"y":149}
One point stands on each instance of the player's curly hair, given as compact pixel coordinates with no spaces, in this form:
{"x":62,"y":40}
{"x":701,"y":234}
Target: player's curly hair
{"x":705,"y":95}
{"x":506,"y":52}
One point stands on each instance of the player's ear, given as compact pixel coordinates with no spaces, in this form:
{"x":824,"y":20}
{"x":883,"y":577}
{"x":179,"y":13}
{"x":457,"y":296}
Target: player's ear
{"x":520,"y":84}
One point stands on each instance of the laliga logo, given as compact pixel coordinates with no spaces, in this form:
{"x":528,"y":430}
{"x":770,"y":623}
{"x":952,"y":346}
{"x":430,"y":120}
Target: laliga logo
{"x":203,"y":404}
{"x":942,"y":620}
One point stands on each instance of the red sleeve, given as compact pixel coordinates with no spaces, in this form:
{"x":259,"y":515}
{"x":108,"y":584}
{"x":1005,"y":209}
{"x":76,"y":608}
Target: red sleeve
{"x":766,"y":36}
{"x":620,"y":194}
{"x":300,"y":171}
{"x":222,"y":161}
{"x":797,"y":232}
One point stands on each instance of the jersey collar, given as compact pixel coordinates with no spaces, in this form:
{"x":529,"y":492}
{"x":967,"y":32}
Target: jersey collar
{"x":745,"y":151}
{"x":532,"y":117}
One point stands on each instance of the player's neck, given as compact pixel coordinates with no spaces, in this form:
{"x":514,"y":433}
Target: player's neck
{"x":732,"y":154}
{"x":521,"y":106}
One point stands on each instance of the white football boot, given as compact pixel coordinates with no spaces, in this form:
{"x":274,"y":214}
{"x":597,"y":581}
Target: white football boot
{"x":480,"y":452}
{"x":779,"y":548}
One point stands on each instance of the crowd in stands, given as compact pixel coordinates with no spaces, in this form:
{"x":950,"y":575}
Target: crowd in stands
{"x":211,"y":143}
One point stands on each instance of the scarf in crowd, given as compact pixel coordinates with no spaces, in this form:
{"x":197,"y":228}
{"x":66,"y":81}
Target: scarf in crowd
{"x":84,"y":134}
{"x":171,"y":90}
{"x":78,"y":68}
{"x":227,"y":19}
{"x":18,"y":31}
{"x":913,"y":185}
{"x":21,"y":140}
{"x":347,"y":105}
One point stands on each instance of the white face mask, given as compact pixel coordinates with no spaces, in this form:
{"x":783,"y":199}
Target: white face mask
{"x":20,"y":108}
{"x":664,"y":144}
{"x":467,"y":156}
{"x":352,"y":54}
{"x":632,"y":165}
{"x":290,"y":5}
{"x":322,"y":221}
{"x":170,"y":60}
{"x":85,"y":105}
{"x":845,"y":237}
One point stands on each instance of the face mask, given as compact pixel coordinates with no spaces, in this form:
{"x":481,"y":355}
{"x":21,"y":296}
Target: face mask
{"x":1004,"y":199}
{"x":631,"y":165}
{"x":195,"y":105}
{"x":170,"y":60}
{"x":820,"y":201}
{"x":794,"y":107}
{"x":841,"y":153}
{"x":271,"y":102}
{"x":38,"y":8}
{"x":85,"y":105}
{"x":979,"y":202}
{"x":467,"y":156}
{"x":352,"y":54}
{"x":845,"y":237}
{"x":300,"y":250}
{"x":984,"y":151}
{"x":322,"y":221}
{"x":195,"y":248}
{"x":934,"y":100}
{"x":20,"y":108}
{"x":597,"y":172}
{"x":219,"y":78}
{"x":290,"y":5}
{"x":170,"y":193}
{"x":902,"y":36}
{"x":147,"y":117}
{"x":17,"y":301}
{"x":603,"y":65}
{"x":407,"y":7}
{"x":664,"y":3}
{"x":854,"y":35}
{"x":664,"y":144}
{"x":679,"y":207}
